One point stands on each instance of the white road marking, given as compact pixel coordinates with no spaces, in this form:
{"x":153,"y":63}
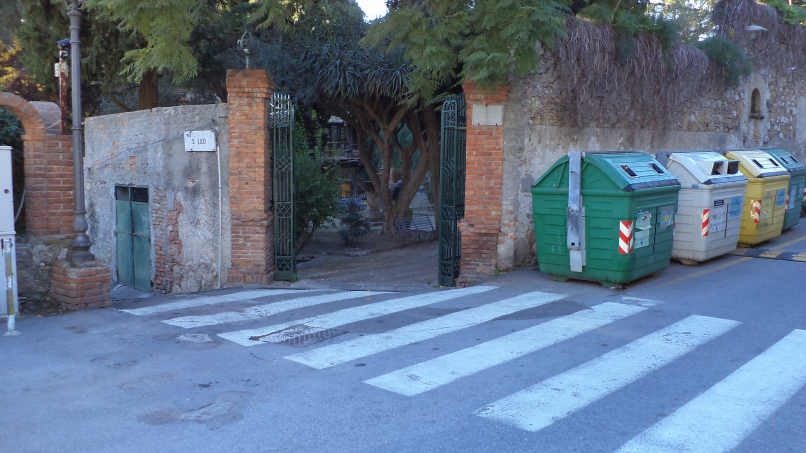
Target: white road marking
{"x":335,"y":354}
{"x":442,"y":370}
{"x":719,"y":419}
{"x":211,"y":300}
{"x":279,"y":332}
{"x":555,"y":398}
{"x":265,"y":310}
{"x":642,"y":302}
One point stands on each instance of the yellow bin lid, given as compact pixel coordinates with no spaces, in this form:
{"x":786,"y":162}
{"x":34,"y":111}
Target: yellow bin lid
{"x":758,"y":164}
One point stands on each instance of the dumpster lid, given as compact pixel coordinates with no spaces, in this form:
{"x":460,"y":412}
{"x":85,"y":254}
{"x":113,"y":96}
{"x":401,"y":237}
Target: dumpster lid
{"x":707,"y":167}
{"x":759,"y":164}
{"x":622,"y":170}
{"x":632,"y":170}
{"x":788,"y":160}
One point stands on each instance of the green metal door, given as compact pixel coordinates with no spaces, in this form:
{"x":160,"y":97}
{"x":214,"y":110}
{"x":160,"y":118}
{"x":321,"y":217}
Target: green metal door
{"x":282,"y":149}
{"x":451,"y":187}
{"x":133,"y":232}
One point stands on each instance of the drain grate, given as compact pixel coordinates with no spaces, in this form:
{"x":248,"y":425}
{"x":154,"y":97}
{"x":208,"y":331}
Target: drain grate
{"x":311,"y":338}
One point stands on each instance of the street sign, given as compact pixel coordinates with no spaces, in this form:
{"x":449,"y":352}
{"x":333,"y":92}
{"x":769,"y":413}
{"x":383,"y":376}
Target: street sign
{"x":199,"y":141}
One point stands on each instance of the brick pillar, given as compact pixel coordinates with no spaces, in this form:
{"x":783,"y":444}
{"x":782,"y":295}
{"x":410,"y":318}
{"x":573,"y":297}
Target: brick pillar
{"x":81,"y":285}
{"x":49,"y":205}
{"x":484,"y":181}
{"x":248,"y":101}
{"x":48,"y":166}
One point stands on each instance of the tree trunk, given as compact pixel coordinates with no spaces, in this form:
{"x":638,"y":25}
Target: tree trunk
{"x":432,"y":135}
{"x":148,"y":94}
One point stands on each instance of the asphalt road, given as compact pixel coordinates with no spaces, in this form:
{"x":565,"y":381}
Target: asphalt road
{"x":702,"y":359}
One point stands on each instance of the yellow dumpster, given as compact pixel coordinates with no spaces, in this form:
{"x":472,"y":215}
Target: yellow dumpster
{"x":765,"y":198}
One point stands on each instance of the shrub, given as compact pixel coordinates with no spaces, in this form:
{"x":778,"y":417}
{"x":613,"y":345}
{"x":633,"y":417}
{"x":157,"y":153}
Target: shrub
{"x":318,"y":191}
{"x":728,"y":56}
{"x":353,"y":224}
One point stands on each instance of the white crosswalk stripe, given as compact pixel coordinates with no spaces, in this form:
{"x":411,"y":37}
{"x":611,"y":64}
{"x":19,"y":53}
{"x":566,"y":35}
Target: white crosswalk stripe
{"x":280,"y":332}
{"x":211,"y":300}
{"x":448,"y":368}
{"x":266,"y":310}
{"x":335,"y":354}
{"x":723,"y":416}
{"x":717,"y":420}
{"x":555,"y":398}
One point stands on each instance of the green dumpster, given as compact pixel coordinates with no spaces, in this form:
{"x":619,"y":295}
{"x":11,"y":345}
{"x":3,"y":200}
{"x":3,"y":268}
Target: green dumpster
{"x":606,"y":217}
{"x":797,"y":182}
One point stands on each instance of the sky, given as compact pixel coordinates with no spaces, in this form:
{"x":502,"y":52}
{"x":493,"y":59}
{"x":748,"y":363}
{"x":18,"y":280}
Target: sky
{"x":373,"y":8}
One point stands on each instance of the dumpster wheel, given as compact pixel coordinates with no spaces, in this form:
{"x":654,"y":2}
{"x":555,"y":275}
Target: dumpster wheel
{"x":612,"y":285}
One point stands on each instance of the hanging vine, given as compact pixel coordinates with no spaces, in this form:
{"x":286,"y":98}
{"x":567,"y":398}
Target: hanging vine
{"x":645,"y":90}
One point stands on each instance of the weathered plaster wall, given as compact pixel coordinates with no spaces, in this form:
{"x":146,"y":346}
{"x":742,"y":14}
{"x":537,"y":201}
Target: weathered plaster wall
{"x":146,"y":149}
{"x":536,"y":136}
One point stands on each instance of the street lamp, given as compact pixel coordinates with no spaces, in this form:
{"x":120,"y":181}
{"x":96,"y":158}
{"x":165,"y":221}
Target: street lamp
{"x":80,"y":247}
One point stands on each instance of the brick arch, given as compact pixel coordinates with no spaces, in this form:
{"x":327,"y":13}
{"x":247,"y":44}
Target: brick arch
{"x":48,"y":166}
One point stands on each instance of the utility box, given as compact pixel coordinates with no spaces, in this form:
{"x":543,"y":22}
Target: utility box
{"x":797,"y":182}
{"x":765,"y":196}
{"x":6,"y":193}
{"x":606,"y":217}
{"x":8,"y":255}
{"x":709,"y":213}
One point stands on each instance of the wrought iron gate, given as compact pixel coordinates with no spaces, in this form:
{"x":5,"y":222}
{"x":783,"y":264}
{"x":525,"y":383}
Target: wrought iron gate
{"x":451,"y":187}
{"x":283,"y":187}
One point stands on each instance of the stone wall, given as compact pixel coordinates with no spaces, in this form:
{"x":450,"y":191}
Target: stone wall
{"x":536,"y":134}
{"x":190,"y":224}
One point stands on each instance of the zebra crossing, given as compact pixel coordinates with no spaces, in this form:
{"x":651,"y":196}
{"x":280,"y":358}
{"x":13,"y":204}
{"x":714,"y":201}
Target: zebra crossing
{"x":716,"y":420}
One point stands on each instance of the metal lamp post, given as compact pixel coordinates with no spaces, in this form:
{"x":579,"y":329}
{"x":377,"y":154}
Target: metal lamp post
{"x":80,"y":247}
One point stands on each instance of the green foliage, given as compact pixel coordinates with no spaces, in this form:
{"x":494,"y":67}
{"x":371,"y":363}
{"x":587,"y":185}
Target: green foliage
{"x":629,"y":20}
{"x":318,"y":191}
{"x":353,"y":224}
{"x":692,"y":16}
{"x":44,"y":23}
{"x":484,"y":40}
{"x":13,"y":77}
{"x":597,"y":12}
{"x":165,"y":26}
{"x":10,"y":129}
{"x":292,"y":16}
{"x":728,"y":56}
{"x":505,"y":33}
{"x":791,"y":14}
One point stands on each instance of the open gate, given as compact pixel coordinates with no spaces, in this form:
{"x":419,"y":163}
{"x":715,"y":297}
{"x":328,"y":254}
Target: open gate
{"x":282,"y":150}
{"x":451,"y":187}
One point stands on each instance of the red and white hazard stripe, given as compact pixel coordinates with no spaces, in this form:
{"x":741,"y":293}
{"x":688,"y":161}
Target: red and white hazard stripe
{"x":705,"y":217}
{"x":625,"y":238}
{"x":804,"y":194}
{"x":786,"y":202}
{"x":756,"y":210}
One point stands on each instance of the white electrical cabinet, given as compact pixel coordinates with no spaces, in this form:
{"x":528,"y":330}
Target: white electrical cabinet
{"x":7,"y":233}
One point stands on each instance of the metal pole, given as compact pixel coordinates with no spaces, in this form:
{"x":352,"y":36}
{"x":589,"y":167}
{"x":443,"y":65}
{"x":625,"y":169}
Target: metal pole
{"x":5,"y":244}
{"x":80,"y":248}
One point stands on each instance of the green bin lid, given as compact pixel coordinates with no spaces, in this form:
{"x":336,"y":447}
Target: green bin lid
{"x":628,"y":171}
{"x":787,"y":160}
